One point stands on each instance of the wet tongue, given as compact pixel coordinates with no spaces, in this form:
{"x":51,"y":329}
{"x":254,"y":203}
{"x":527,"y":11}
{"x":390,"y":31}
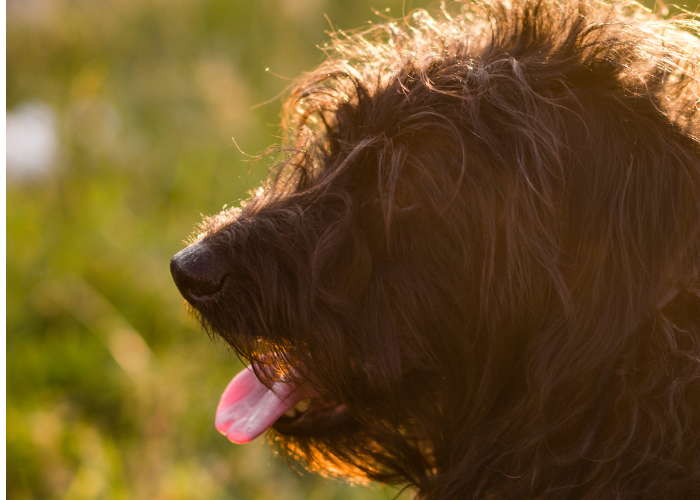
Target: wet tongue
{"x":248,"y":408}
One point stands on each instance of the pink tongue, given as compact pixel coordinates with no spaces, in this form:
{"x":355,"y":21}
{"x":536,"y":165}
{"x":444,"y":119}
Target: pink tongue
{"x":248,"y":408}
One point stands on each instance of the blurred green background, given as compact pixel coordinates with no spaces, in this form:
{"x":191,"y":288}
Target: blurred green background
{"x":120,"y":115}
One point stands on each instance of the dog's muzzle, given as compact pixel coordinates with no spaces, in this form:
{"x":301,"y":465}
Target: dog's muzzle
{"x":197,"y":273}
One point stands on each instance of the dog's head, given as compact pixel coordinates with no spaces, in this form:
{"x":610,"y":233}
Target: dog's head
{"x":475,"y":218}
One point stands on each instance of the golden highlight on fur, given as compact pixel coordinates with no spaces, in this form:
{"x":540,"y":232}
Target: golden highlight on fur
{"x":483,"y":245}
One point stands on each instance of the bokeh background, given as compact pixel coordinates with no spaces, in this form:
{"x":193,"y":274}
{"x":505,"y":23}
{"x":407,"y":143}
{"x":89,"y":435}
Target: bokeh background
{"x":120,"y":115}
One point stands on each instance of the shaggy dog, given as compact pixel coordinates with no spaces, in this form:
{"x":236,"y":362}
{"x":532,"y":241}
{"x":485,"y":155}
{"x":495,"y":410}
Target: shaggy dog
{"x":475,"y":271}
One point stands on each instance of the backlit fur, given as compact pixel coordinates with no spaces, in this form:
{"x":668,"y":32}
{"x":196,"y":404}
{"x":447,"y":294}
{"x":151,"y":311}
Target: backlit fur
{"x":484,"y":241}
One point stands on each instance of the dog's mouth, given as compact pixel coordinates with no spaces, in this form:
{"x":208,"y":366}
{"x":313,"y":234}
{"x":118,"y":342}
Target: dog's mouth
{"x":248,"y":408}
{"x":310,"y":417}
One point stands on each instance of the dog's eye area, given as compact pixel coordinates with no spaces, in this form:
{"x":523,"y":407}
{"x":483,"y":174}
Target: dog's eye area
{"x":403,"y":197}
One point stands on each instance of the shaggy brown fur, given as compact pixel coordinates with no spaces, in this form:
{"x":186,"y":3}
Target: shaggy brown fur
{"x":482,"y":252}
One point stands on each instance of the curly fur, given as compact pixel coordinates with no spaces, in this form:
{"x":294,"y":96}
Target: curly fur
{"x":484,"y":242}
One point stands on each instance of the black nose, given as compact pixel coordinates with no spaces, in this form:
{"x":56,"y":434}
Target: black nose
{"x":197,"y":272}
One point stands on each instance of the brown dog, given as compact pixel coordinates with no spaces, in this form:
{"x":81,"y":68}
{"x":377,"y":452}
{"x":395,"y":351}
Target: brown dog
{"x":476,"y":271}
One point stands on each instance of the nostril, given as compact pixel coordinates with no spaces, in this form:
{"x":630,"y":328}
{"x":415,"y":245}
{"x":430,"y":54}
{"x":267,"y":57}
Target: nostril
{"x":197,"y":273}
{"x":194,"y":286}
{"x":204,"y":288}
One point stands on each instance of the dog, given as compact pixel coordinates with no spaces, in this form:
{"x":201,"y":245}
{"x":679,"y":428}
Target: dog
{"x":475,"y":270}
